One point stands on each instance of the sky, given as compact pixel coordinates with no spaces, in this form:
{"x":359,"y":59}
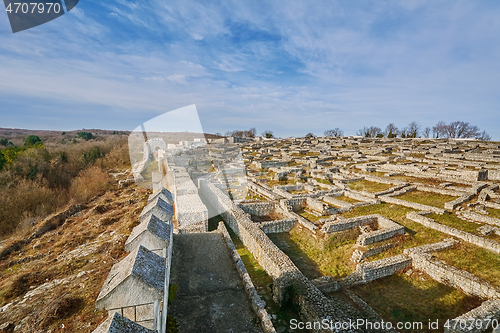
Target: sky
{"x":292,"y":67}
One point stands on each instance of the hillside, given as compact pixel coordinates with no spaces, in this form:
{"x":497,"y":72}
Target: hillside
{"x":50,"y":279}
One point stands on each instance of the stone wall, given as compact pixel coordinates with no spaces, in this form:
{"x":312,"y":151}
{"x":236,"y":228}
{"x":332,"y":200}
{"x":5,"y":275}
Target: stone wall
{"x":341,"y":224}
{"x":274,"y":227}
{"x":258,"y":305}
{"x":263,"y":190}
{"x":380,"y":235}
{"x":487,"y":312}
{"x":413,"y":205}
{"x":449,"y":275}
{"x":288,"y":282}
{"x":468,"y":237}
{"x":338,"y":203}
{"x":258,"y":208}
{"x":472,"y":216}
{"x":451,"y":205}
{"x":381,"y":268}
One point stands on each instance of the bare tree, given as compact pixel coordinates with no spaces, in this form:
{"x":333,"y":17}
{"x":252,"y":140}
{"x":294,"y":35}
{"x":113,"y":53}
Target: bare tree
{"x":412,"y":130}
{"x":459,"y":129}
{"x":427,"y":132}
{"x":369,"y":132}
{"x":310,"y":135}
{"x":391,"y":131}
{"x":439,"y":130}
{"x":268,"y":134}
{"x":483,"y":136}
{"x":336,"y":132}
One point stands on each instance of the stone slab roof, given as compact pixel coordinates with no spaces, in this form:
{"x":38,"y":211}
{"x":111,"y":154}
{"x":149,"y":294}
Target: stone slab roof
{"x":154,"y":225}
{"x":162,"y":209}
{"x":141,"y":263}
{"x":164,"y":194}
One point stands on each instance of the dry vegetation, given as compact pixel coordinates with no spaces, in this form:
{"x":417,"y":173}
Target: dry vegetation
{"x":45,"y":178}
{"x":74,"y":222}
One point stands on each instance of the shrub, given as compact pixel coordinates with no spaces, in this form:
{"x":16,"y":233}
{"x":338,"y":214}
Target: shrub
{"x":32,"y":140}
{"x":85,"y":135}
{"x":89,"y":183}
{"x":91,"y":156}
{"x":4,"y":142}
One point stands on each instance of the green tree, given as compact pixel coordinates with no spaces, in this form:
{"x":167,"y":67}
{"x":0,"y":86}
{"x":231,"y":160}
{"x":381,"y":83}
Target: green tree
{"x":4,"y":142}
{"x":31,"y":140}
{"x":85,"y":135}
{"x":2,"y":160}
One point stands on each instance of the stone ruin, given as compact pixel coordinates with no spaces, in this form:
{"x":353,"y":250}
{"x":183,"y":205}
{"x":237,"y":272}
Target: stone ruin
{"x":309,"y":185}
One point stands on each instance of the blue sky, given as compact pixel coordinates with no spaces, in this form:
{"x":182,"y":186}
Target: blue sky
{"x":291,"y":67}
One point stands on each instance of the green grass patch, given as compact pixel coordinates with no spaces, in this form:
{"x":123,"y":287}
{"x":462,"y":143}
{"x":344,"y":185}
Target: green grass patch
{"x":409,"y":179}
{"x":494,"y":212}
{"x":427,"y":198}
{"x":415,"y":298}
{"x":311,"y":217}
{"x":475,"y":260}
{"x":323,"y":181}
{"x":318,"y":257}
{"x":415,"y":233}
{"x":365,"y":185}
{"x":453,"y":221}
{"x":347,"y":199}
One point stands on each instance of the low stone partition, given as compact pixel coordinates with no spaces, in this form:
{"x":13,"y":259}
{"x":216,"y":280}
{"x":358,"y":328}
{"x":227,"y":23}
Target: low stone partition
{"x":413,"y":205}
{"x":391,"y":190}
{"x":440,"y":190}
{"x":341,"y":224}
{"x":487,"y":315}
{"x":278,"y":226}
{"x":258,"y":305}
{"x":358,"y":256}
{"x":451,"y":205}
{"x":402,"y":190}
{"x":316,"y":206}
{"x":468,"y":237}
{"x":377,"y":269}
{"x":380,"y":235}
{"x":326,"y":284}
{"x":283,"y":193}
{"x":263,"y":191}
{"x":338,"y":203}
{"x":476,"y":217}
{"x":258,"y":208}
{"x":449,"y":275}
{"x":288,"y":282}
{"x":302,"y":221}
{"x":360,"y":197}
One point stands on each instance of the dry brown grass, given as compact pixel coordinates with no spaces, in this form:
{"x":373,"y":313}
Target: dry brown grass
{"x":90,"y":182}
{"x":43,"y":180}
{"x":101,"y":228}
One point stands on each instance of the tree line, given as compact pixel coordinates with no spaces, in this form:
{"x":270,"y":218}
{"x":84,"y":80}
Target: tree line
{"x":452,"y":130}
